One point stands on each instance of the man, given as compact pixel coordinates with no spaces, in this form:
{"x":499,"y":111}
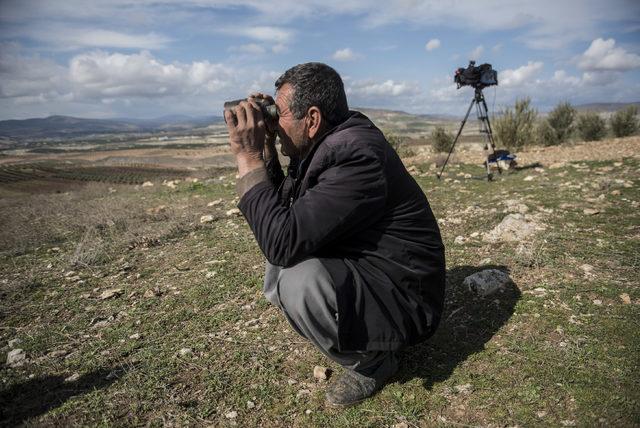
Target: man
{"x":354,"y":255}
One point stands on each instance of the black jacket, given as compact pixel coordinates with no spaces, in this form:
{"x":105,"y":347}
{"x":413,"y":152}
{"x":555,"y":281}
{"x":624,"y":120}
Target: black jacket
{"x":354,"y":206}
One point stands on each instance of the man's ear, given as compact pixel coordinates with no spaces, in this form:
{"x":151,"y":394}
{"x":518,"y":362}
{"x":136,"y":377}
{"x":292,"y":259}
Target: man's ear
{"x":315,"y":121}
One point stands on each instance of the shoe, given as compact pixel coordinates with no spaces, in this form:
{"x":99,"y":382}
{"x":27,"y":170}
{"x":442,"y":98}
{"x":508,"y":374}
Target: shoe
{"x":353,"y":387}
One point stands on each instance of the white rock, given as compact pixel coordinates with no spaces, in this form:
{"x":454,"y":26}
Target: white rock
{"x":590,"y":211}
{"x":135,"y":336}
{"x":302,"y":393}
{"x":486,"y":282}
{"x":529,"y":178}
{"x":214,"y":203}
{"x":250,"y":404}
{"x":233,"y":212}
{"x":147,"y":184}
{"x":513,"y":228}
{"x":587,"y":268}
{"x":74,"y":377}
{"x":459,"y":240}
{"x":185,"y":351}
{"x":231,"y":415}
{"x":113,"y":292}
{"x":14,"y":342}
{"x":321,"y":373}
{"x":16,"y":357}
{"x":206,"y":218}
{"x":463,"y":389}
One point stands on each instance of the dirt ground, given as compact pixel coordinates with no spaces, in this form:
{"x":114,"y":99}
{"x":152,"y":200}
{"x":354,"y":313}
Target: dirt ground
{"x":614,"y":148}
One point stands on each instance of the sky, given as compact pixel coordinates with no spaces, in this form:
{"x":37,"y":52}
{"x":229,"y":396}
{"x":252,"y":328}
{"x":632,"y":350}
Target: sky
{"x":151,"y":58}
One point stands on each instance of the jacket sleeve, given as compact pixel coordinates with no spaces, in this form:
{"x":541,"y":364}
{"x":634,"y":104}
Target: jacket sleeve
{"x":349,"y":196}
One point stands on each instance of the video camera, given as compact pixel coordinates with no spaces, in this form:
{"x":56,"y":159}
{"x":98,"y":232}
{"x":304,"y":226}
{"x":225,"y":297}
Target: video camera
{"x":478,"y":77}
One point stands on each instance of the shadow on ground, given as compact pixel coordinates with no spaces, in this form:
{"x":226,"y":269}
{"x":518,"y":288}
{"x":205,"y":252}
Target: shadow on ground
{"x":467,"y":325}
{"x":37,"y":396}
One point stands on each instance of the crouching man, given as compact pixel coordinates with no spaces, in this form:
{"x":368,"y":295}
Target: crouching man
{"x":355,"y":260}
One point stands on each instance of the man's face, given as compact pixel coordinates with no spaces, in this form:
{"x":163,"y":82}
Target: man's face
{"x":292,"y":131}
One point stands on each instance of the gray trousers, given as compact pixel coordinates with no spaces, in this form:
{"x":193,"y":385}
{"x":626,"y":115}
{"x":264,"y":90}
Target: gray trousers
{"x":307,"y":296}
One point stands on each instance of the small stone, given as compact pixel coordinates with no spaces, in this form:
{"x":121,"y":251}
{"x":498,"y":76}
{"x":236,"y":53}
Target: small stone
{"x":529,"y":178}
{"x":401,"y":425}
{"x":14,"y":342}
{"x":58,"y":353}
{"x":135,"y":336}
{"x":590,"y":211}
{"x":474,"y":234}
{"x":250,"y":404}
{"x":459,"y":240}
{"x":231,"y":415}
{"x":16,"y":357}
{"x":541,"y":414}
{"x":147,"y":184}
{"x":113,"y":292}
{"x":463,"y":389}
{"x":210,"y":274}
{"x":308,"y":412}
{"x":292,"y":381}
{"x":587,"y":269}
{"x":74,"y":377}
{"x":321,"y":373}
{"x":597,"y":302}
{"x":615,"y":192}
{"x":70,"y":273}
{"x":626,"y":299}
{"x":214,"y":203}
{"x":185,"y":351}
{"x":206,"y":218}
{"x":233,"y":212}
{"x":302,"y":393}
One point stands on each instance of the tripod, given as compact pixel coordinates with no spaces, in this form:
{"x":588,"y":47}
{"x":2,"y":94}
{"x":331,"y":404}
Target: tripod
{"x":485,"y":128}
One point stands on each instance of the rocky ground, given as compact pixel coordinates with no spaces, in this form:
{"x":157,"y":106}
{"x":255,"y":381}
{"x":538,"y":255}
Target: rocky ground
{"x":125,"y":305}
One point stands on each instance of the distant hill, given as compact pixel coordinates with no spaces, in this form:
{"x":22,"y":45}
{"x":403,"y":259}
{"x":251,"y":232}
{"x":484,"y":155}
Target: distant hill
{"x":605,"y":107}
{"x":67,"y":126}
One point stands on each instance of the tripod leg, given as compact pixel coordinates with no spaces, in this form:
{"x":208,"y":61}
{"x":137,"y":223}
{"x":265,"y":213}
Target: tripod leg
{"x":489,"y":132}
{"x":466,"y":116}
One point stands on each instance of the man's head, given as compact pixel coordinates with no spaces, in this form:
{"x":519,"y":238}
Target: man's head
{"x":310,"y":99}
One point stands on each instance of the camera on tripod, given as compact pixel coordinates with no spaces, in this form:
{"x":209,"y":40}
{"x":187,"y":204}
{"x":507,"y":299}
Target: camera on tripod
{"x":478,"y":77}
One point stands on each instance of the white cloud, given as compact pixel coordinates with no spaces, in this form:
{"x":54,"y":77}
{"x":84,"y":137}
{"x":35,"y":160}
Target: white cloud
{"x":264,"y":34}
{"x":432,"y":44}
{"x":30,"y":79}
{"x":603,"y":55}
{"x":250,"y":48}
{"x":388,"y":88}
{"x":345,"y":54}
{"x":108,"y":75}
{"x":69,"y":37}
{"x":520,"y":76}
{"x":476,"y":53}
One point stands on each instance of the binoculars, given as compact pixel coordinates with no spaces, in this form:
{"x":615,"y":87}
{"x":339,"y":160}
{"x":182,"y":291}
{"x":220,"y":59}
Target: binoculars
{"x":268,"y":109}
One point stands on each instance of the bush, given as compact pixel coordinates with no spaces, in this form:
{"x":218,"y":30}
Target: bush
{"x":441,"y":140}
{"x":399,"y":143}
{"x":561,"y":122}
{"x":591,"y":127}
{"x":624,"y":122}
{"x":514,"y":128}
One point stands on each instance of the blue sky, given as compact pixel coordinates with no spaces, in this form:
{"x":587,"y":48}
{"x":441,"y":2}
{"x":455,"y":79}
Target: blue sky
{"x":149,"y":58}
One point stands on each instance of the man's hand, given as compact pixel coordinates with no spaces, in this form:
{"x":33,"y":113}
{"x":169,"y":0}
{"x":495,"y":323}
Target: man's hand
{"x":247,"y":133}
